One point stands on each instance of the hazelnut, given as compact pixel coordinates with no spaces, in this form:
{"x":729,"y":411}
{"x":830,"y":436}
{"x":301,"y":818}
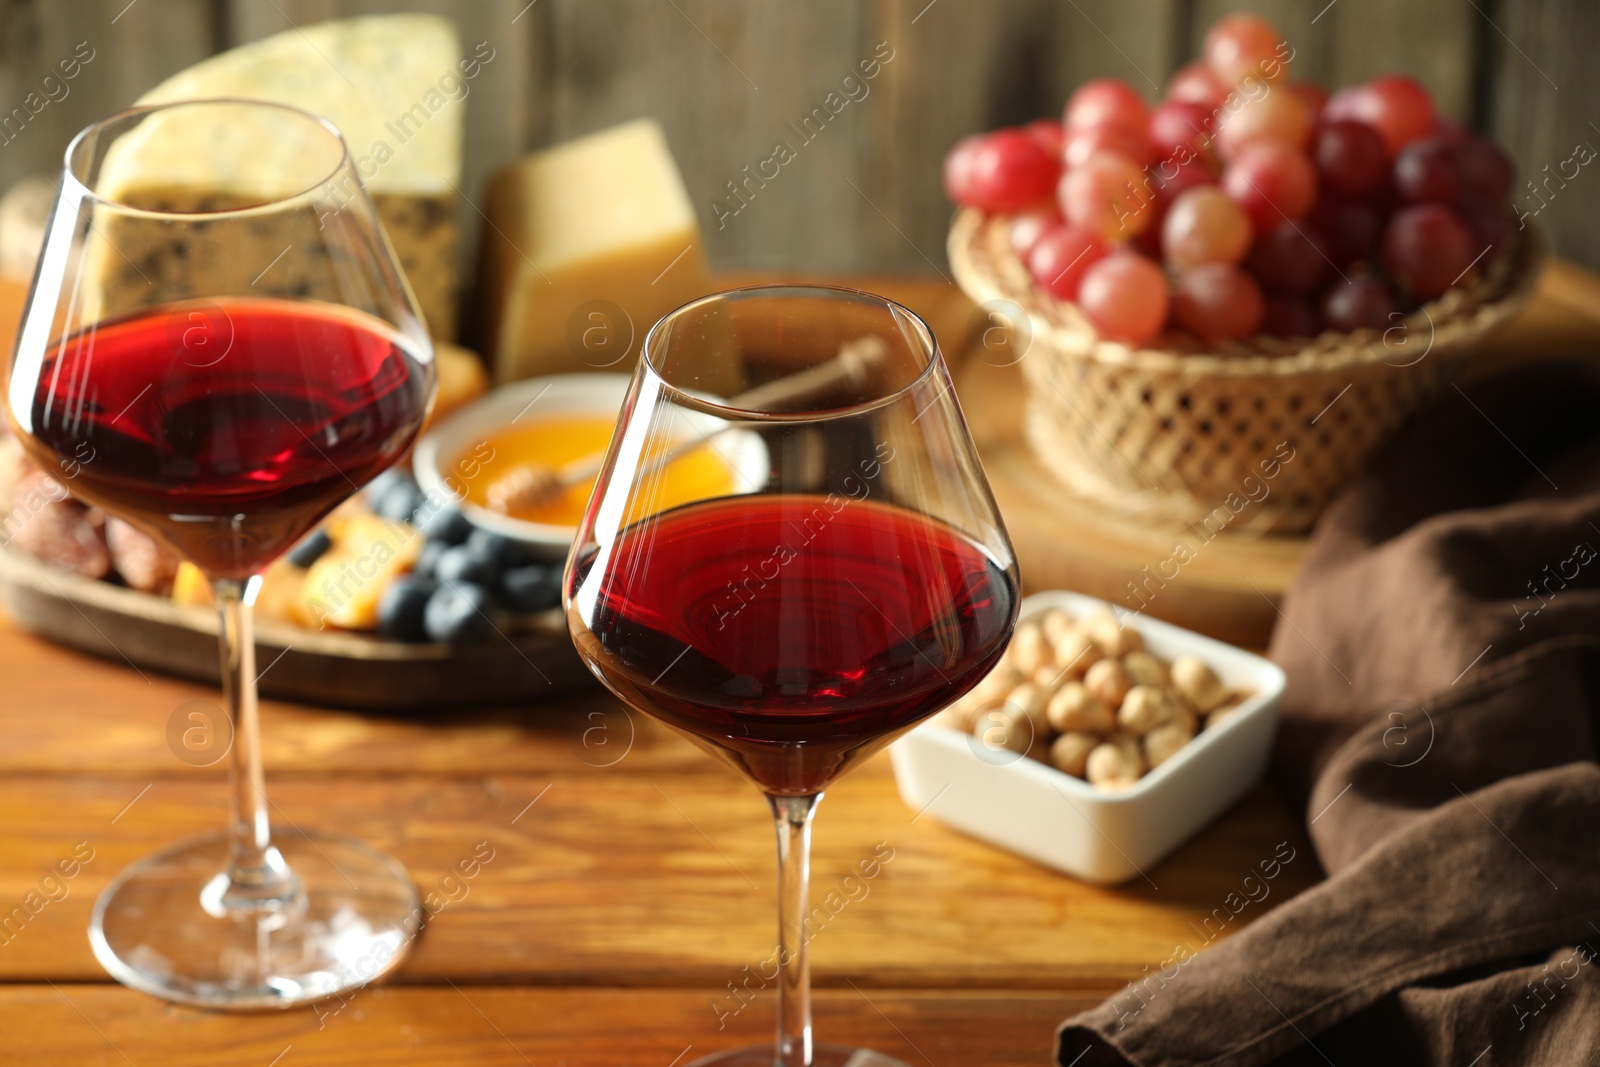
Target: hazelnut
{"x":1143,"y":709}
{"x":1145,"y":669}
{"x":1070,"y":753}
{"x":1197,"y":683}
{"x":1184,"y":715}
{"x":1029,"y":649}
{"x":957,"y":716}
{"x":1114,"y":764}
{"x":1162,"y":743}
{"x":1073,"y":709}
{"x":1075,"y":653}
{"x":1108,"y":680}
{"x":1000,"y":726}
{"x":1030,"y":700}
{"x":996,"y":684}
{"x":1224,"y":713}
{"x":1048,"y":677}
{"x":1113,"y":638}
{"x":1055,"y":624}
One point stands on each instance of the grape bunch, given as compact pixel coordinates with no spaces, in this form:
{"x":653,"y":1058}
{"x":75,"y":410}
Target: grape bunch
{"x":1244,"y":202}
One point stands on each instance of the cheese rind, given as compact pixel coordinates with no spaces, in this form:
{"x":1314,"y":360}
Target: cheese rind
{"x":576,"y":232}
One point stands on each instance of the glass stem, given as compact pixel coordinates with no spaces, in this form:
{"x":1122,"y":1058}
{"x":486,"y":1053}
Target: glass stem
{"x":793,"y":816}
{"x":257,"y":879}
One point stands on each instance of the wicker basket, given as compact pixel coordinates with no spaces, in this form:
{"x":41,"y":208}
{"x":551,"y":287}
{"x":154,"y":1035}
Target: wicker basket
{"x":1190,"y":434}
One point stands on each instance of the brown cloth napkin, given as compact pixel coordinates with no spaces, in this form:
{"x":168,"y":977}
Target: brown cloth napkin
{"x":1442,"y":644}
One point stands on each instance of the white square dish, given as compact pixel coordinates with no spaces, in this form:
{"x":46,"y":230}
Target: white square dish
{"x":1033,"y":809}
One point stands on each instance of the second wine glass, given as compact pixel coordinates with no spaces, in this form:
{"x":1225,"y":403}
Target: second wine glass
{"x":800,"y":622}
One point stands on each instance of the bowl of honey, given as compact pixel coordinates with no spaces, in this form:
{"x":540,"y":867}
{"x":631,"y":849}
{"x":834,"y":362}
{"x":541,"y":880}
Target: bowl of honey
{"x":559,"y":427}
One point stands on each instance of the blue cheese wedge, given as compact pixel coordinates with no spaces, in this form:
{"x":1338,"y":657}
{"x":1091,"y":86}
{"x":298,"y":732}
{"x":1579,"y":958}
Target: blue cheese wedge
{"x":395,"y":86}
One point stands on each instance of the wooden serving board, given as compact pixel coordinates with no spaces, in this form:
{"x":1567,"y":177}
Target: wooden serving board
{"x":309,"y":666}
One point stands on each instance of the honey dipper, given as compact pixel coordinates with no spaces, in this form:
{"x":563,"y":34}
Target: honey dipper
{"x":533,"y":485}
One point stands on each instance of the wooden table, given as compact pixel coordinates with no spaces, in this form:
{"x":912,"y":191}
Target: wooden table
{"x":613,"y":915}
{"x":620,"y":902}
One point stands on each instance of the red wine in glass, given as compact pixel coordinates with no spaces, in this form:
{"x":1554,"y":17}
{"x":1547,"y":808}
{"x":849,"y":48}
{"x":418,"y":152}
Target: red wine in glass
{"x":793,"y":639}
{"x":857,"y":580}
{"x":285,"y":409}
{"x":219,"y":348}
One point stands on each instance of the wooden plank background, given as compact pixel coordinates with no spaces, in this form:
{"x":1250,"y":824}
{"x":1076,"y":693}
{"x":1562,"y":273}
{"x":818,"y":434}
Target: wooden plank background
{"x":725,"y":77}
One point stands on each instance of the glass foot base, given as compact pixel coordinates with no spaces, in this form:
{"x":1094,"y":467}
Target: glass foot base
{"x":824,"y":1056}
{"x":355,"y":920}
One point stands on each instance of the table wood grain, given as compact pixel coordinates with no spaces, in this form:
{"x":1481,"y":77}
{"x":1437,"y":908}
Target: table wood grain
{"x":632,"y":881}
{"x":632,"y":877}
{"x":616,"y":909}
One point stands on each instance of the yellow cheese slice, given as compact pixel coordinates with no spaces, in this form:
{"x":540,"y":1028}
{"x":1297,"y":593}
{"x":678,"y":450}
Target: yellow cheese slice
{"x":588,"y":244}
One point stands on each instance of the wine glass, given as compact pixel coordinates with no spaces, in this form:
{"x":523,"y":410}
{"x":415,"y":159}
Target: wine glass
{"x":220,"y":341}
{"x":799,"y":622}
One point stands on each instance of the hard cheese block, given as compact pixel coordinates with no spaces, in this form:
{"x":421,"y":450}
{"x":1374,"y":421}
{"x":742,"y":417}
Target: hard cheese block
{"x":393,"y":84}
{"x":589,"y":243}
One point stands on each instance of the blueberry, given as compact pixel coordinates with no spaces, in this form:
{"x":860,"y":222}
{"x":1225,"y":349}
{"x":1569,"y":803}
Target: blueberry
{"x":428,"y":558}
{"x":383,"y":483}
{"x":505,"y":551}
{"x":458,"y":613}
{"x":532,"y":588}
{"x":447,"y":525}
{"x":399,"y":502}
{"x":401,"y":606}
{"x":465,"y":563}
{"x":309,"y":550}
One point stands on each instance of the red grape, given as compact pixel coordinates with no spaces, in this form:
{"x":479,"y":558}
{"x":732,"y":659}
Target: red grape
{"x":1081,"y":144}
{"x":1204,"y":226}
{"x":1351,"y":157}
{"x":1060,"y":258}
{"x":1049,"y":134}
{"x":1107,"y":102}
{"x":1239,"y":45}
{"x":1488,"y":221}
{"x":1289,"y":259}
{"x":1277,"y":115}
{"x":1198,"y":84}
{"x":1427,"y":247}
{"x":1486,"y":171}
{"x":1108,"y":195}
{"x":1180,"y":129}
{"x":1149,"y":242}
{"x":958,"y":168}
{"x":1171,"y":180}
{"x":1124,"y":296}
{"x":1348,"y":230}
{"x":1312,"y":95}
{"x":1218,"y":301}
{"x":1397,"y":107}
{"x":1427,"y":172}
{"x":1272,"y":182}
{"x":1004,"y":171}
{"x":1028,"y":227}
{"x":1342,"y":104}
{"x":1360,"y":303}
{"x":1289,"y":316}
